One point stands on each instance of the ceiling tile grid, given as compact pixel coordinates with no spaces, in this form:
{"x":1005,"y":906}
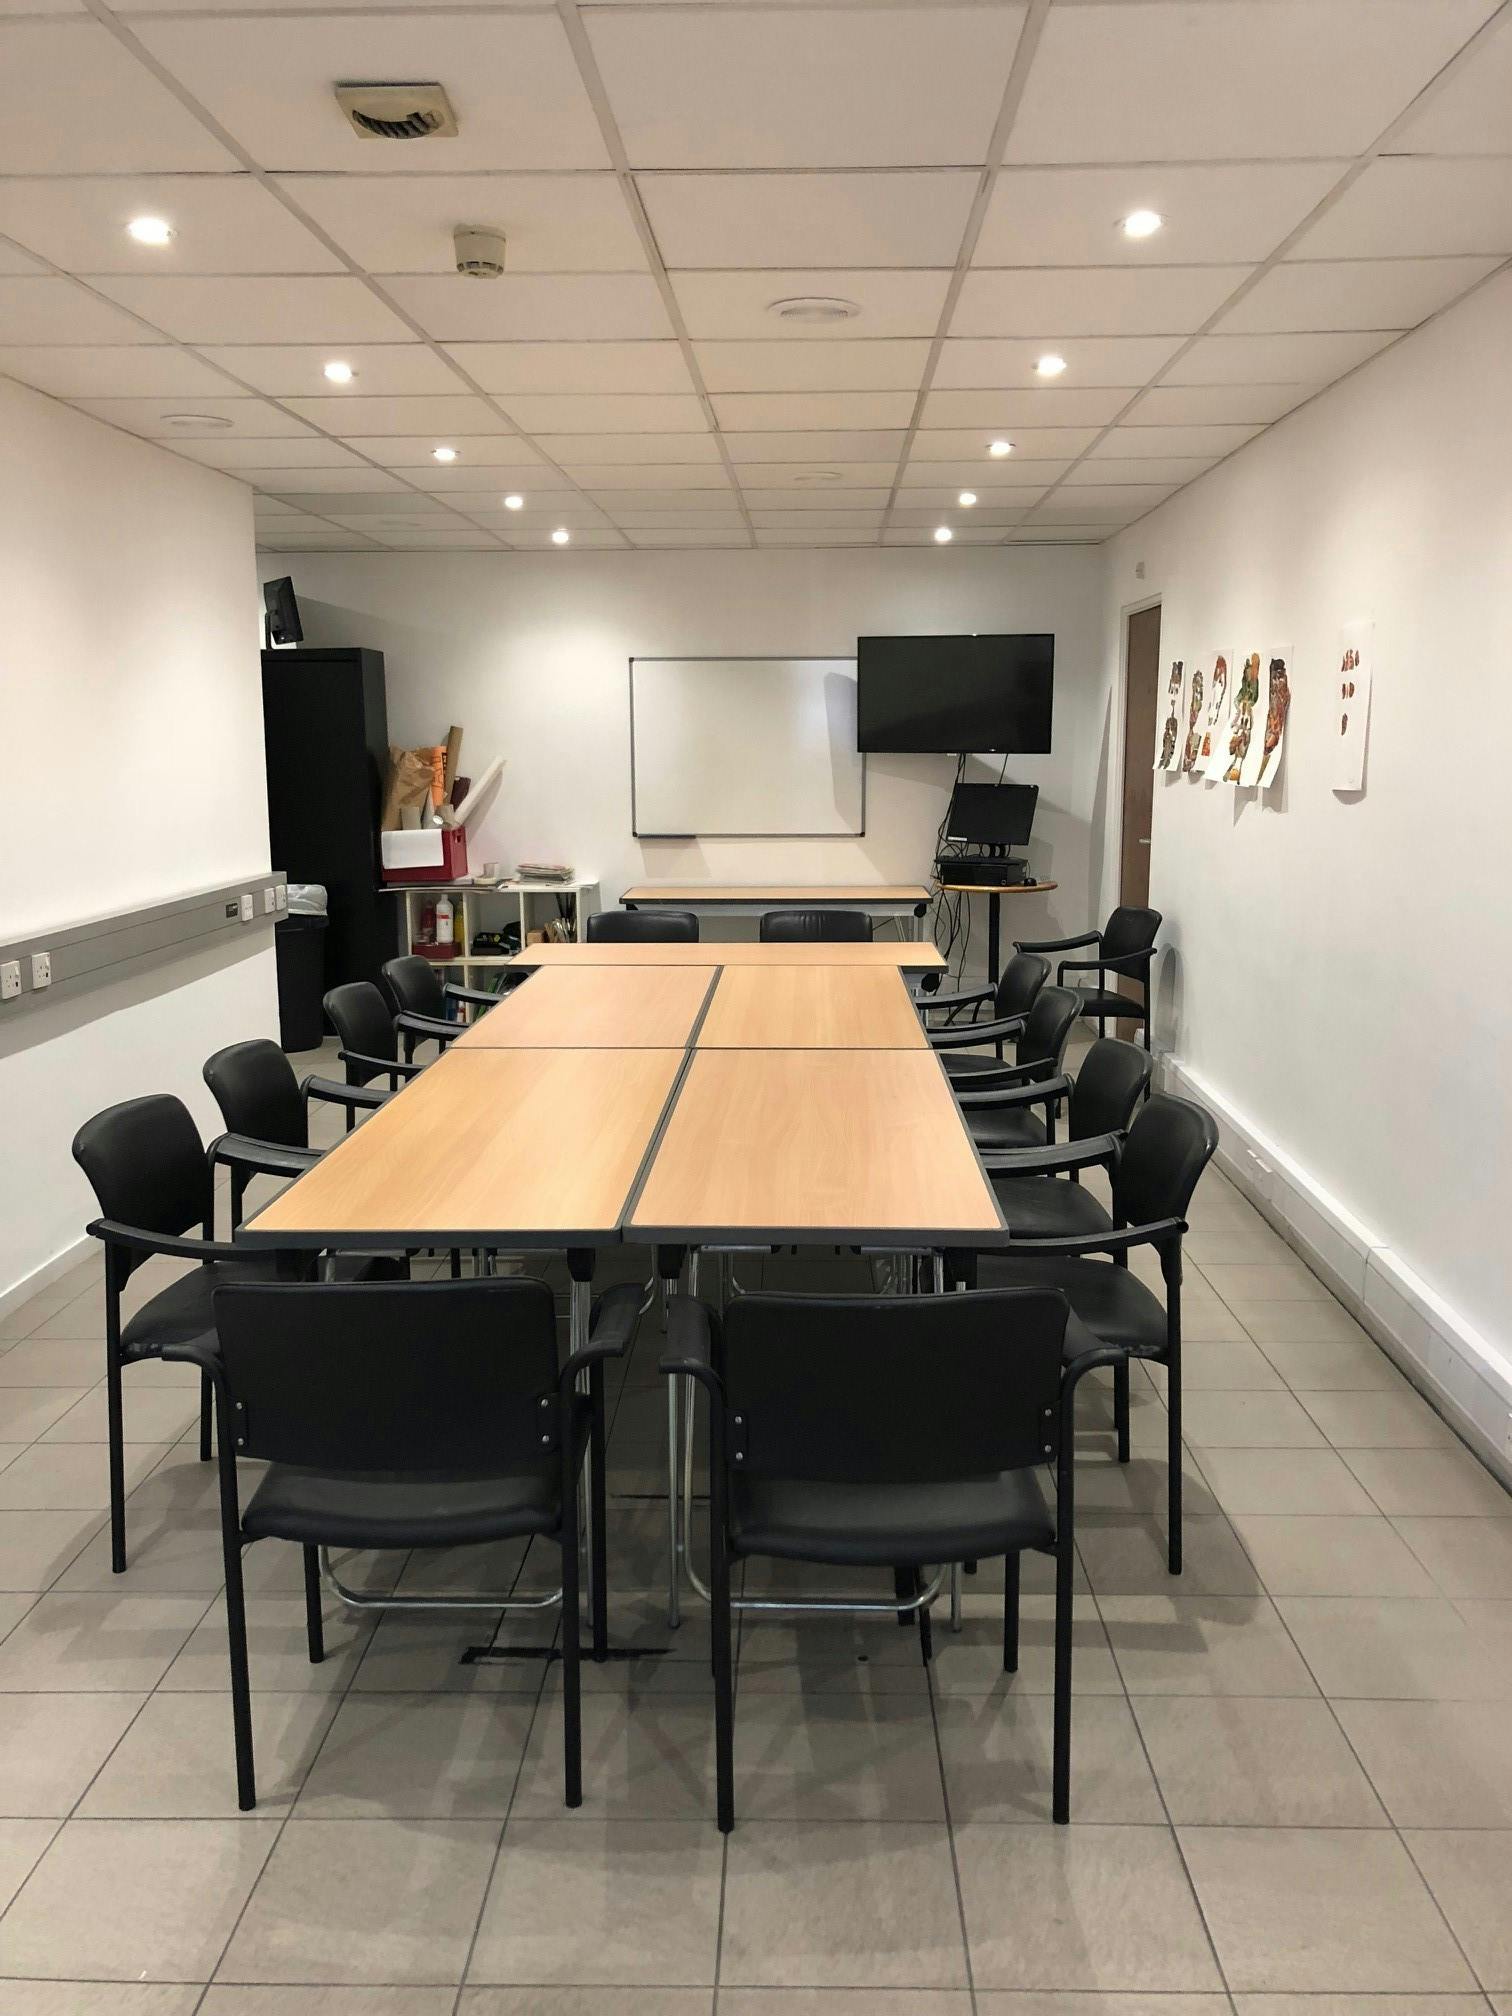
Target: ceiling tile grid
{"x":773,"y":275}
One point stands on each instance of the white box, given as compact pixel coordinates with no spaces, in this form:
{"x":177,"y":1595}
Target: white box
{"x":413,"y":850}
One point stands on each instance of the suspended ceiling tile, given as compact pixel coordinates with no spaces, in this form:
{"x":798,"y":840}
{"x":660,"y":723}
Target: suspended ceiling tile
{"x":816,"y":538}
{"x":172,"y":419}
{"x":691,"y":487}
{"x":774,"y":366}
{"x":651,"y":537}
{"x":962,"y":535}
{"x":532,"y":541}
{"x":1117,"y":497}
{"x":403,"y":223}
{"x":800,"y":411}
{"x":1092,"y":300}
{"x":761,"y":495}
{"x":739,"y":305}
{"x":1471,"y":112}
{"x":1402,"y":206}
{"x":1123,"y":442}
{"x":975,"y":475}
{"x":489,"y":459}
{"x":278,"y":454}
{"x":293,"y":370}
{"x":961,"y":521}
{"x":684,"y":504}
{"x":1191,"y":80}
{"x":969,"y":444}
{"x":437,"y":417}
{"x":884,"y":219}
{"x":805,"y":88}
{"x":73,"y":101}
{"x":1313,"y":359}
{"x":533,"y":307}
{"x":1059,"y":535}
{"x":51,"y":310}
{"x":506,"y":368}
{"x":606,"y":412}
{"x":1173,"y":469}
{"x":1353,"y":294}
{"x":221,"y":224}
{"x":1227,"y":404}
{"x":511,"y":78}
{"x":968,"y":362}
{"x":817,"y":479}
{"x":312,"y":487}
{"x":825,"y":521}
{"x":636,"y":519}
{"x":143,"y":371}
{"x":305,"y":309}
{"x":630,"y":448}
{"x":1000,"y":411}
{"x":1011,"y":503}
{"x":831,"y":446}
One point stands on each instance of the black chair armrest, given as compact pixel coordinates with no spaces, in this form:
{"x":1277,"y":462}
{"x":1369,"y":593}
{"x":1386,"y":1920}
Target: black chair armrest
{"x":396,"y":1065}
{"x":477,"y":997}
{"x":1128,"y":962}
{"x":965,"y":997}
{"x":201,"y":1351}
{"x":1076,"y":966}
{"x":344,"y":1095}
{"x":112,"y":1233}
{"x":964,"y":1034}
{"x":1160,"y":1232}
{"x":690,"y":1342}
{"x":611,"y":1325}
{"x":261,"y":1158}
{"x":1057,"y":944}
{"x":1055,"y":1156}
{"x":440,"y":1026}
{"x":991,"y":1098}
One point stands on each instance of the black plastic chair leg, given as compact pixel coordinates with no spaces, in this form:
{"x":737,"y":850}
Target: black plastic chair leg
{"x":724,"y":1693}
{"x":572,"y":1690}
{"x":314,"y":1621}
{"x":598,"y":1495}
{"x":1060,"y":1796}
{"x":1121,"y":1408}
{"x":926,"y":1626}
{"x":236,"y":1645}
{"x":116,"y":1434}
{"x":205,"y":1405}
{"x":1011,"y":1614}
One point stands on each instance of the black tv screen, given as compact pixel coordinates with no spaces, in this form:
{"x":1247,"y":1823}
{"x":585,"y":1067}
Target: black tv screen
{"x":958,"y":695}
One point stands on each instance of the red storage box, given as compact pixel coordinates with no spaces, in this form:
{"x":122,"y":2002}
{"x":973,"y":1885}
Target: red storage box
{"x":434,"y":854}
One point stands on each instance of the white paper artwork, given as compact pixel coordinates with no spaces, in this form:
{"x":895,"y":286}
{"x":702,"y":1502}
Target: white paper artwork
{"x":1356,"y":657}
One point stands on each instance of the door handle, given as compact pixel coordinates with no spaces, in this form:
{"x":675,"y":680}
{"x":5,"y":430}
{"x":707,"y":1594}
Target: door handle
{"x":1143,"y":843}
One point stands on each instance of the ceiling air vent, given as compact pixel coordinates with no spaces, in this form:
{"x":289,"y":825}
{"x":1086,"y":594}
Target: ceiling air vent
{"x":398,"y":111}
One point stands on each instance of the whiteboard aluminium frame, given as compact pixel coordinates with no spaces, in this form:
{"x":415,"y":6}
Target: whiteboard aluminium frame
{"x":735,"y":658}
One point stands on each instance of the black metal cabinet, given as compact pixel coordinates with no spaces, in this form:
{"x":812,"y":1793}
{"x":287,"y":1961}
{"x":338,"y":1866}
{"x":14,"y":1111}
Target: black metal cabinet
{"x":325,"y":729}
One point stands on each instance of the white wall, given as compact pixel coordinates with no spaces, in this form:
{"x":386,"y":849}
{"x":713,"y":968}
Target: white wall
{"x":130,"y":707}
{"x":529,"y":652}
{"x":1339,"y":972}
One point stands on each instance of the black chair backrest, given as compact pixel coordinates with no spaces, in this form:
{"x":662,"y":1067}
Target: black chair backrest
{"x":438,"y":1376}
{"x":413,"y":986}
{"x":1109,"y":1085}
{"x":1044,"y":1036}
{"x":816,"y":927}
{"x":256,"y":1089}
{"x":146,"y":1165}
{"x":1019,"y":984}
{"x":1128,"y":931}
{"x":360,"y":1016}
{"x":1169,"y":1146}
{"x":643,"y":927}
{"x":890,"y":1389}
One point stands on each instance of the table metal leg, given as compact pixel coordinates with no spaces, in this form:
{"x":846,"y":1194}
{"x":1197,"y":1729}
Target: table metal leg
{"x":674,"y":1552}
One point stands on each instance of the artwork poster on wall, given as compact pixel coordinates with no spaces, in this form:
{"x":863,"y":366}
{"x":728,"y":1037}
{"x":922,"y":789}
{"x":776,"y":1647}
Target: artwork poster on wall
{"x":1211,"y":750}
{"x":1356,"y":662}
{"x":1168,"y":749}
{"x":1277,"y":708}
{"x":1196,"y":690}
{"x":1241,"y":721}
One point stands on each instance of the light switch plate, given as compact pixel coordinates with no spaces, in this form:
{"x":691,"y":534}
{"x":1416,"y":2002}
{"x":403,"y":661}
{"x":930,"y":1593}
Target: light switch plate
{"x":247,"y":911}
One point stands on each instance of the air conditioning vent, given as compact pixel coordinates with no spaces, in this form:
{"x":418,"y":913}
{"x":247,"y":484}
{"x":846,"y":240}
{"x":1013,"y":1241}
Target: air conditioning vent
{"x":398,"y":111}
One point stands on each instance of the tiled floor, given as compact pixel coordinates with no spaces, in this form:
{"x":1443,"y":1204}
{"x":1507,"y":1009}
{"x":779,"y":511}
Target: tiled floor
{"x":1293,"y":1766}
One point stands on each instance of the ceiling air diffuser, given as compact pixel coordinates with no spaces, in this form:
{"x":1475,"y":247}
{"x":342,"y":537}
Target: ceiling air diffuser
{"x":398,"y":111}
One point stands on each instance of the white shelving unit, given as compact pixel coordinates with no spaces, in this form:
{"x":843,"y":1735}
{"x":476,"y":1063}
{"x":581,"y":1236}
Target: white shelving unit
{"x":534,"y":904}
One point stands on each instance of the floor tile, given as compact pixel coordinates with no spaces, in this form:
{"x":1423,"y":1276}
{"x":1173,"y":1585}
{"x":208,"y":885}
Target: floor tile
{"x":1470,"y":1873}
{"x":1093,"y":1908}
{"x":845,"y":2002}
{"x":1129,"y":1559}
{"x":1437,"y":1483}
{"x":337,"y":1902}
{"x":129,"y":1900}
{"x":650,"y":1758}
{"x":997,"y":1761}
{"x":596,"y":1901}
{"x":177,"y":1761}
{"x":71,"y":1477}
{"x":1359,"y":2005}
{"x":1232,"y":1364}
{"x":96,"y":1644}
{"x":1324,"y":1555}
{"x":1074,"y":2003}
{"x":1105,"y":1485}
{"x":420,"y":1757}
{"x":1340,"y":1364}
{"x":1283,"y":1480}
{"x":1297,"y":1323}
{"x":22,"y":1843}
{"x":44,"y":1361}
{"x":833,"y":1757}
{"x":1465,"y":1557}
{"x":843,"y":1904}
{"x":1319,"y":1909}
{"x":1254,"y":1763}
{"x":36,"y":1547}
{"x":1436,"y":1763}
{"x":273,"y":2001}
{"x":426,"y":1654}
{"x":1398,"y":1648}
{"x":100,"y":1998}
{"x":149,"y":1413}
{"x":278,"y":1659}
{"x":167,"y":1553}
{"x":971,"y":1661}
{"x":1248,"y":1421}
{"x":26,"y":1411}
{"x":1379,"y":1420}
{"x":587,"y":2002}
{"x":1273,"y":1281}
{"x":1203,"y":1645}
{"x":51,"y":1746}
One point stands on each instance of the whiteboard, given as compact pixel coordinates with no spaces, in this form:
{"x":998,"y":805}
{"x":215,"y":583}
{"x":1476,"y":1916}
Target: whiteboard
{"x":745,"y":747}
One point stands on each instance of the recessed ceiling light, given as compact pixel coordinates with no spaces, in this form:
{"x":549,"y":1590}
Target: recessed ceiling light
{"x":150,"y":230}
{"x":514,"y":501}
{"x":966,"y":499}
{"x":1142,"y":223}
{"x":560,"y":536}
{"x":1050,"y":366}
{"x":339,"y":372}
{"x":943,"y":535}
{"x":814,"y":308}
{"x":999,"y":448}
{"x":195,"y":422}
{"x":444,"y":454}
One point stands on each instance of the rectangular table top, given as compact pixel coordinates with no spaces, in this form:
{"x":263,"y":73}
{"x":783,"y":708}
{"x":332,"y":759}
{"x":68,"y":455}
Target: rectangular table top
{"x":810,"y":1008}
{"x":521,"y":1148}
{"x":822,"y":1146}
{"x":876,"y":952}
{"x":594,"y":1007}
{"x":817,"y":894}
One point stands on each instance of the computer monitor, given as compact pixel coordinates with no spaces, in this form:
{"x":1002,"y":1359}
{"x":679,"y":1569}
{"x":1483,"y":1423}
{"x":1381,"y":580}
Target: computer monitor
{"x":992,"y":815}
{"x":281,"y":623}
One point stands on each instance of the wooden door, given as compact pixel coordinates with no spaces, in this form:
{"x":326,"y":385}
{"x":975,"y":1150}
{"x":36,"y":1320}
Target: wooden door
{"x":1141,"y":705}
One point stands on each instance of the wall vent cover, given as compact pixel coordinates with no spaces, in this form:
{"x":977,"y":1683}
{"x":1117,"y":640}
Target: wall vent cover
{"x":398,"y":111}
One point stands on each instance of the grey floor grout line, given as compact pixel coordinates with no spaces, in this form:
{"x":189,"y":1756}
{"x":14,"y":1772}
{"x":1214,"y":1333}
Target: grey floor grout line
{"x":950,"y":1837}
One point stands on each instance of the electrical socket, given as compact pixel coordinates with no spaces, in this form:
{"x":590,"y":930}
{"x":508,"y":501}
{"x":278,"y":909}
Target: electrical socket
{"x":247,"y":911}
{"x":41,"y":969}
{"x":269,"y":905}
{"x":282,"y":893}
{"x":10,"y":979}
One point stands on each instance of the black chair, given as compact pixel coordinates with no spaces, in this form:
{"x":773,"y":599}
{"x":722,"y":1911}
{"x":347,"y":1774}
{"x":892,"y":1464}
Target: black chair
{"x":266,"y":1110}
{"x":1039,"y":1190}
{"x":369,"y":1041}
{"x":1112,"y":1311}
{"x":423,"y":1005}
{"x":147,"y":1167}
{"x":425,"y":1414}
{"x":1017,"y":990}
{"x":997,"y":1100}
{"x":1125,"y":947}
{"x":814,"y":927}
{"x":642,"y":927}
{"x":884,"y":1431}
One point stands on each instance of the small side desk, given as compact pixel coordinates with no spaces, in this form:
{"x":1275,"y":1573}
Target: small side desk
{"x":751,"y":899}
{"x":995,"y":895}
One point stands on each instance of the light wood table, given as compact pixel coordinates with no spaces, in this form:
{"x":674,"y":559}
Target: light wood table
{"x":902,"y":956}
{"x":808,"y":1008}
{"x":750,"y":899}
{"x":596,"y":1007}
{"x":818,"y":1147}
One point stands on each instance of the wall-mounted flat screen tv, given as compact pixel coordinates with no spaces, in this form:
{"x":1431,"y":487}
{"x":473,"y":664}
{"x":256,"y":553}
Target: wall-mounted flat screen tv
{"x":958,"y":695}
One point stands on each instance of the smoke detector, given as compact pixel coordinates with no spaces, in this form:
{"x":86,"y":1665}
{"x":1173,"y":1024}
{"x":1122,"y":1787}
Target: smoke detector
{"x":480,"y":252}
{"x":398,"y":111}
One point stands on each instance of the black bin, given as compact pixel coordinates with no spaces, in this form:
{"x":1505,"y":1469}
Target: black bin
{"x":301,"y":981}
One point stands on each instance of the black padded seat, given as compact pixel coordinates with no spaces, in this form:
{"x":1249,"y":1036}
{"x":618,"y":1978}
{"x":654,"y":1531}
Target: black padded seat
{"x":1110,"y":1305}
{"x":960,"y":1064}
{"x":183,"y":1311}
{"x":1045,"y":1207}
{"x":380,"y":1509}
{"x":889,"y":1525}
{"x":1106,"y":1001}
{"x":1006,"y":1127}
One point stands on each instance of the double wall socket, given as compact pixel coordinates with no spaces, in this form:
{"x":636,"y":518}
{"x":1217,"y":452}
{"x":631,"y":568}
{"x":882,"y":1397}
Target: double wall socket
{"x":10,"y":979}
{"x":41,"y":969}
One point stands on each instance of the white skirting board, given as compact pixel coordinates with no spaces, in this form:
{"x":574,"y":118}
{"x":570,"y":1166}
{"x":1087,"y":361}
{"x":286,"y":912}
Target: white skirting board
{"x":1463,"y":1375}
